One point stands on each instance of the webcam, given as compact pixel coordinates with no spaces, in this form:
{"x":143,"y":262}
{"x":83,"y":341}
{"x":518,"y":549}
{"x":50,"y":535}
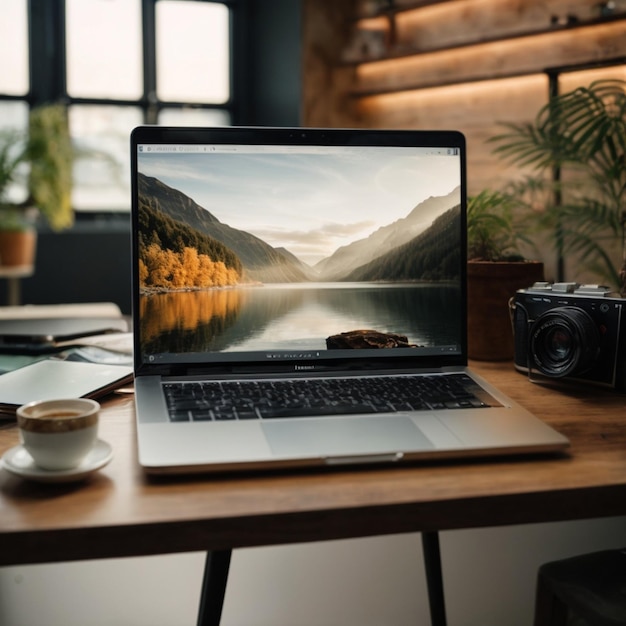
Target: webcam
{"x":305,"y":134}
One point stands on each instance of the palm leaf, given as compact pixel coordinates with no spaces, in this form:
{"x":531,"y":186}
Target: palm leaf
{"x":583,"y":131}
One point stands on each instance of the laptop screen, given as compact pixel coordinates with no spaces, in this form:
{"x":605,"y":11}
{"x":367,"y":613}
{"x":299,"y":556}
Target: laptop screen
{"x":280,"y":246}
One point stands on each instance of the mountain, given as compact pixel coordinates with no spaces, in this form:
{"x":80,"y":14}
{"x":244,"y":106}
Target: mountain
{"x":261,"y":261}
{"x":432,"y":255}
{"x":347,"y":258}
{"x":309,"y":272}
{"x":155,"y":227}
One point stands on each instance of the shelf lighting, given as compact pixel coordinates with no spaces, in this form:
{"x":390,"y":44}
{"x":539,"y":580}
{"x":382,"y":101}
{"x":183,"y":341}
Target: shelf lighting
{"x":570,"y":80}
{"x":468,"y":99}
{"x":523,"y":55}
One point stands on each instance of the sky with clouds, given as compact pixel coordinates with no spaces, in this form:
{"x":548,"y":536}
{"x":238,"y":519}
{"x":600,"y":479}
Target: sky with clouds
{"x":309,"y":203}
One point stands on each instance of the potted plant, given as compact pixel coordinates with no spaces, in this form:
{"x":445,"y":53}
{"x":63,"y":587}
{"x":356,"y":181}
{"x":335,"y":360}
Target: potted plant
{"x":495,"y":271}
{"x":17,"y":237}
{"x":576,"y":151}
{"x":43,"y":160}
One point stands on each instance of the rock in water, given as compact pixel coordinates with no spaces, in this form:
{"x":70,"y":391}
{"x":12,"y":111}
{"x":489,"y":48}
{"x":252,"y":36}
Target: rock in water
{"x":357,"y":339}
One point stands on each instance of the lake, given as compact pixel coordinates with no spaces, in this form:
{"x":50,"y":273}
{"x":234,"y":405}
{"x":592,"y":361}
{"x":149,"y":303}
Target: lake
{"x":297,"y":316}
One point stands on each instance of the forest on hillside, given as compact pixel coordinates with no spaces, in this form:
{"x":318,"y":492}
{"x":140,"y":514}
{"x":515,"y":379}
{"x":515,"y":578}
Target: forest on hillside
{"x":173,"y":255}
{"x":434,"y":255}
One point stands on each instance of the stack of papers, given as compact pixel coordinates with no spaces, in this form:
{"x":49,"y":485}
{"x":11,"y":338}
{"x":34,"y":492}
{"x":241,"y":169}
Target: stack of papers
{"x":62,"y":351}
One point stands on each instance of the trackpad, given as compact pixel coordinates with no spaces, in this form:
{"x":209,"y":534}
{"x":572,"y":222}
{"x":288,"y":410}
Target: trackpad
{"x":332,"y":436}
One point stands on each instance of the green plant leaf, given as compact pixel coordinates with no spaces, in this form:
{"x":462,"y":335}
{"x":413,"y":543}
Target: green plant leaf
{"x":582,"y":133}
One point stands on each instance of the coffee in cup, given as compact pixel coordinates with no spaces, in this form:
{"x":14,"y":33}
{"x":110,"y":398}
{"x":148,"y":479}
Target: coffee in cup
{"x":58,"y":434}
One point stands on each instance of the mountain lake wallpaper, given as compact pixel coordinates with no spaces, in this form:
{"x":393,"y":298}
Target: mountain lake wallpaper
{"x":279,"y":251}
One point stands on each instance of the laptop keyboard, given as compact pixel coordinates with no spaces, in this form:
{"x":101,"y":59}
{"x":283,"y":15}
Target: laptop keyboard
{"x":268,"y":399}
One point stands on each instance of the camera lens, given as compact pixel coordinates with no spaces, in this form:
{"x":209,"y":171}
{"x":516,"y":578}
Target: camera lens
{"x":559,"y":343}
{"x":563,"y":342}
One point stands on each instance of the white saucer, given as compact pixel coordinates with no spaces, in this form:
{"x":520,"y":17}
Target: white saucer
{"x":17,"y":461}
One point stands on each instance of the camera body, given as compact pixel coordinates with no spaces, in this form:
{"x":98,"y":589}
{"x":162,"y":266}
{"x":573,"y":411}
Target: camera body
{"x":572,"y":332}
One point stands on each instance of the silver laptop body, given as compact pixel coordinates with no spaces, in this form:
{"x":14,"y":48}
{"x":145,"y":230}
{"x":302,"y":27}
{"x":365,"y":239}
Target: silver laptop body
{"x":277,"y":261}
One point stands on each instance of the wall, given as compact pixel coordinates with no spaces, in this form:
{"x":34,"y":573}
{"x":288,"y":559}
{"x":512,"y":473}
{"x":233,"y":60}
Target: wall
{"x":489,"y":578}
{"x":273,"y":59}
{"x":87,"y":263}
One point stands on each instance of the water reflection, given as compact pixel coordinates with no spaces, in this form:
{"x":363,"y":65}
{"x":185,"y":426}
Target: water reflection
{"x":297,"y":316}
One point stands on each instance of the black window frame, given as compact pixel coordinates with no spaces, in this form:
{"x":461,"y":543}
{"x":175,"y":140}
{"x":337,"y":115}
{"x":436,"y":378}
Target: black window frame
{"x":48,"y":67}
{"x":264,"y":65}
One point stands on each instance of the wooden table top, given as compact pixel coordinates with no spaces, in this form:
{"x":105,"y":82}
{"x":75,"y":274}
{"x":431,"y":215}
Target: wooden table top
{"x":120,"y":512}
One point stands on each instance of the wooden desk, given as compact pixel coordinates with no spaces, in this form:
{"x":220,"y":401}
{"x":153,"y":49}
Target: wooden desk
{"x":119,"y":512}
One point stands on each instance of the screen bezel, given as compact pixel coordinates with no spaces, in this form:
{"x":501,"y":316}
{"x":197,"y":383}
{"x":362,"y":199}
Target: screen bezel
{"x":340,"y":360}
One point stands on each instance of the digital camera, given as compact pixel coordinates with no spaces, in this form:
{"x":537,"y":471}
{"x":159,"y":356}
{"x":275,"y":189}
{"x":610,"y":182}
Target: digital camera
{"x":571,"y":331}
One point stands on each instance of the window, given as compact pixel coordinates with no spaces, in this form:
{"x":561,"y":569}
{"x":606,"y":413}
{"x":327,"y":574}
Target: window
{"x":101,"y":134}
{"x":192,"y":52}
{"x":14,"y":46}
{"x":104,"y":52}
{"x":124,"y":63}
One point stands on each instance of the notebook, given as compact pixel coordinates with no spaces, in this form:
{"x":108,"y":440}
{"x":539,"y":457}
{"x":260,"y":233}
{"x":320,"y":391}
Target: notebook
{"x":52,"y":379}
{"x":277,"y":270}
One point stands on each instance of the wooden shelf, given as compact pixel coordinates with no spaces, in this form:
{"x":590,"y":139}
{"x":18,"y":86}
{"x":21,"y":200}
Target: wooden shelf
{"x":365,"y":93}
{"x":558,"y":28}
{"x":405,"y":7}
{"x":408,"y":6}
{"x":549,"y":71}
{"x":381,"y":80}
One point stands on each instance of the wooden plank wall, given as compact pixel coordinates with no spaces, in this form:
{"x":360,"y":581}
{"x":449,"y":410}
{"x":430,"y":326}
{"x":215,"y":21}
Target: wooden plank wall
{"x":460,"y":64}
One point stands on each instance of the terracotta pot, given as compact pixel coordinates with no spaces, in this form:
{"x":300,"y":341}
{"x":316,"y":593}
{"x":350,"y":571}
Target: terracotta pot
{"x":18,"y":247}
{"x":490,"y":286}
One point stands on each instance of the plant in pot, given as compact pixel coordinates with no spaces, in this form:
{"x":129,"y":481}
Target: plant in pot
{"x":17,"y":234}
{"x":576,"y":152}
{"x":42,"y":160}
{"x":495,"y":271}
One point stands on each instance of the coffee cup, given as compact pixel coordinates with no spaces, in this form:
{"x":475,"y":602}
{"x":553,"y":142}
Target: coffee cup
{"x":58,"y":434}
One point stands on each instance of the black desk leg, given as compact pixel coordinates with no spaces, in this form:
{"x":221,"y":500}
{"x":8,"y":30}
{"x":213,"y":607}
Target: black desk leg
{"x":217,"y":564}
{"x":213,"y":587}
{"x":434,"y":578}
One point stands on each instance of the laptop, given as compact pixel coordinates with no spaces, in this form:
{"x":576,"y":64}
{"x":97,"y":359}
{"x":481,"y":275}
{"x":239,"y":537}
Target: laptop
{"x":299,"y":299}
{"x":43,"y":335}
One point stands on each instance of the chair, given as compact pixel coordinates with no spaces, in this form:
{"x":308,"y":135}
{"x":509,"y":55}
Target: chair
{"x":591,"y":588}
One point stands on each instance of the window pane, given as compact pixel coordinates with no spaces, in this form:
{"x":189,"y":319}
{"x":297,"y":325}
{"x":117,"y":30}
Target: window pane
{"x":102,"y":169}
{"x":192,"y":51}
{"x":14,"y":119}
{"x":14,"y":47}
{"x":104,"y":56}
{"x":194,"y":117}
{"x":13,"y":115}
